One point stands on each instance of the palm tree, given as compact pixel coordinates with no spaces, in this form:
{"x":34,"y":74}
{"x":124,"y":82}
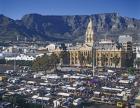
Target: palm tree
{"x":116,"y":60}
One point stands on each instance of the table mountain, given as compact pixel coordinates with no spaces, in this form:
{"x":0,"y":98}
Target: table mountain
{"x":67,"y":27}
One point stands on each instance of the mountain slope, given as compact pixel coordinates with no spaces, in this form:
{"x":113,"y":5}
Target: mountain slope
{"x":68,"y":28}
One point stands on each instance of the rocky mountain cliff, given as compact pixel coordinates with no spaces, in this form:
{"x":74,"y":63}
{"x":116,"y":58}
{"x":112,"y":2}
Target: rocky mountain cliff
{"x":67,"y":28}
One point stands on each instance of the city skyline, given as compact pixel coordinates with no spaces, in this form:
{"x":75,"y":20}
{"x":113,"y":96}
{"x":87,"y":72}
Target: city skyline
{"x":69,"y":54}
{"x":17,"y":9}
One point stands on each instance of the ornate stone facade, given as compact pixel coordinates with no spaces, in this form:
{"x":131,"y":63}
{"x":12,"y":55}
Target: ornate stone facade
{"x":110,"y":53}
{"x":114,"y":53}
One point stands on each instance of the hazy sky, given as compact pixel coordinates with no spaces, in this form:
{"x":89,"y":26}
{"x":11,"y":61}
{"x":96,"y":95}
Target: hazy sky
{"x":17,"y":8}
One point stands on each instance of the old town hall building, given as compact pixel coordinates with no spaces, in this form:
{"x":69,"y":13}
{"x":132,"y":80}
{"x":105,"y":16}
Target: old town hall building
{"x":107,"y":52}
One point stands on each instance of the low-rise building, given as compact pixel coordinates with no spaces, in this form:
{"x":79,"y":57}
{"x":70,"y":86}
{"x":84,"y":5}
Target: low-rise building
{"x":21,"y":57}
{"x":3,"y":77}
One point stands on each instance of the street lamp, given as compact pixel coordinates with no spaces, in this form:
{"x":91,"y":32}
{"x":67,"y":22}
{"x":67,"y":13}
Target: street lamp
{"x":93,"y":58}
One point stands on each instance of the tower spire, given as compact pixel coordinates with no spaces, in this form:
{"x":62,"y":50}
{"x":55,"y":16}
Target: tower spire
{"x":89,"y":33}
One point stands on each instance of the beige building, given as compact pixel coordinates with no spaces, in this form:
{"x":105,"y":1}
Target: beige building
{"x":106,"y":51}
{"x":104,"y":47}
{"x":83,"y":51}
{"x":79,"y":55}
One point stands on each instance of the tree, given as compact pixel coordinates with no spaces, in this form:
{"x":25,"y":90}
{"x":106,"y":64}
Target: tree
{"x":81,"y":58}
{"x":116,"y":60}
{"x":89,"y":59}
{"x":104,"y":59}
{"x":129,"y":59}
{"x":54,"y":60}
{"x":131,"y":70}
{"x":137,"y":62}
{"x":63,"y":47}
{"x":46,"y":62}
{"x":64,"y":55}
{"x":42,"y":63}
{"x":37,"y":64}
